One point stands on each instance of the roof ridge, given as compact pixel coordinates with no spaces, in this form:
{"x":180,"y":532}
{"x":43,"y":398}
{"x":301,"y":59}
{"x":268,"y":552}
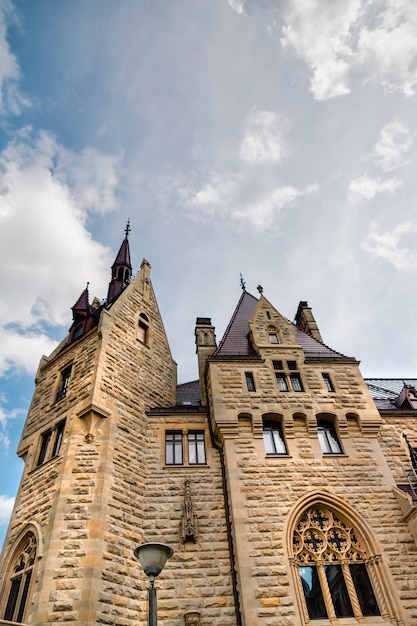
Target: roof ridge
{"x":188,"y":382}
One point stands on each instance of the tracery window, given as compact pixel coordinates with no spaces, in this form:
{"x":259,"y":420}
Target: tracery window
{"x":333,"y":567}
{"x":19,"y":581}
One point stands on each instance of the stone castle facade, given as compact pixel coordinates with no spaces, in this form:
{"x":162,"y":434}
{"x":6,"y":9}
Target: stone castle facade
{"x":281,"y":478}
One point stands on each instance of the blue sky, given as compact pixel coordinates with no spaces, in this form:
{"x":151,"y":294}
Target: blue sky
{"x":276,"y":138}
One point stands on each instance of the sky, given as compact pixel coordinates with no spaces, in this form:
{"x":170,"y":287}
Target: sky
{"x":270,"y":138}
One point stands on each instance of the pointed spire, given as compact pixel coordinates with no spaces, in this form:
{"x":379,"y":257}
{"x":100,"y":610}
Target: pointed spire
{"x":121,"y":270}
{"x":82,"y":303}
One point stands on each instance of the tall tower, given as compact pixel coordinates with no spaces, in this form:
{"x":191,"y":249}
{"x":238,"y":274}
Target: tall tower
{"x":82,"y":496}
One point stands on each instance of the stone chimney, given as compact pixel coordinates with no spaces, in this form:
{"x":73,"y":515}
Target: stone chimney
{"x":205,"y":341}
{"x":304,"y":319}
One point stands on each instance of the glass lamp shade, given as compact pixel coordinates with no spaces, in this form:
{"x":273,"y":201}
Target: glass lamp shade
{"x":152,"y":557}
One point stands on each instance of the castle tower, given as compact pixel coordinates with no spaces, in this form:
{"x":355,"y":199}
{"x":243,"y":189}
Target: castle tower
{"x":83,"y":491}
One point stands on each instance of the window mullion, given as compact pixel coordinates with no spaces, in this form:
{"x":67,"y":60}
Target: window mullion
{"x":352,"y":592}
{"x":326,"y":591}
{"x":372,"y":565}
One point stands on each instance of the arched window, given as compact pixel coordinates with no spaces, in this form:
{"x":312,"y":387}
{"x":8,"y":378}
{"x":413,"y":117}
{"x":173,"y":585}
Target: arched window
{"x":333,"y":567}
{"x":328,"y":438}
{"x":273,"y":437}
{"x":20,"y":578}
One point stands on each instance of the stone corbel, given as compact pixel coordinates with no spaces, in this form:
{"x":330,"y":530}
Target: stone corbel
{"x":192,"y":618}
{"x":91,"y":418}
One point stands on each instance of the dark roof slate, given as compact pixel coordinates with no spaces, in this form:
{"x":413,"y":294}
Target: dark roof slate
{"x":188,"y":394}
{"x":385,"y":391}
{"x":235,"y":341}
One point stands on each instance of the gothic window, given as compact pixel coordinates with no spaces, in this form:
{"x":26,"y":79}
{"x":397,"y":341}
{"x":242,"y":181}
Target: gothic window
{"x":19,"y":580}
{"x":196,"y":447}
{"x":273,"y":438}
{"x":333,"y":567}
{"x":328,"y":439}
{"x":143,"y":328}
{"x":64,"y":382}
{"x":250,"y":381}
{"x":51,"y":441}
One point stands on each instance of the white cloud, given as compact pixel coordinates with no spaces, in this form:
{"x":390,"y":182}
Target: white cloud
{"x":237,"y":5}
{"x":264,"y":138}
{"x":394,"y":143}
{"x":6,"y":507}
{"x":366,"y":187}
{"x":373,"y":39}
{"x":45,"y":211}
{"x":11,"y":101}
{"x":262,"y":213}
{"x":391,"y":245}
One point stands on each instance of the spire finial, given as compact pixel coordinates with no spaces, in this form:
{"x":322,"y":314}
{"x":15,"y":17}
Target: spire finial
{"x":260,"y":289}
{"x":127,"y":229}
{"x":242,"y":282}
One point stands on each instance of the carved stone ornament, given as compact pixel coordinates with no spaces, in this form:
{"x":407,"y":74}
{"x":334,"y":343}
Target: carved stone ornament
{"x":188,"y":517}
{"x":192,"y":618}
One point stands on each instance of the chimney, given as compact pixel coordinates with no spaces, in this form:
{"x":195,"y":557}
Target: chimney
{"x":304,"y":319}
{"x":205,"y":341}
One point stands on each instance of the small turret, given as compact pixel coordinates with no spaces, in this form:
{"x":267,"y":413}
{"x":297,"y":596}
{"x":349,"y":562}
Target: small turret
{"x":121,"y":270}
{"x":84,"y":316}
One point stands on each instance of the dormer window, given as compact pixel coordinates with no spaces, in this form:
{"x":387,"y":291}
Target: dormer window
{"x":272,"y":334}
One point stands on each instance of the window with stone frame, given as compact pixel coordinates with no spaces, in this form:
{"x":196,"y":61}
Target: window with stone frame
{"x":195,"y":447}
{"x":143,"y":329}
{"x":334,"y":568}
{"x":64,"y":383}
{"x":250,"y":381}
{"x":287,"y":376}
{"x":273,"y":437}
{"x":51,"y":442}
{"x":19,"y":580}
{"x":329,"y":441}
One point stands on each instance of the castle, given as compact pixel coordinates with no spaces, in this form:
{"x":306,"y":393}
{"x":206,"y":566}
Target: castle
{"x":284,"y":482}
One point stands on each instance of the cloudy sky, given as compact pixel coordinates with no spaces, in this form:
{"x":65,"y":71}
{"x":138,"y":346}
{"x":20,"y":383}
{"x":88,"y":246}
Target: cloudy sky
{"x":272,"y":138}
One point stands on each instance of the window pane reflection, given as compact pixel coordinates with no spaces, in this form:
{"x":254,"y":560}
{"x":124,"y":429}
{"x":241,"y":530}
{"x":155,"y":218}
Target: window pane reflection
{"x":338,"y":589}
{"x":312,"y":592}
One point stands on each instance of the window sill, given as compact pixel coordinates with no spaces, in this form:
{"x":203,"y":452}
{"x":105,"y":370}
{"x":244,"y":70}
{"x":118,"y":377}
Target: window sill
{"x":185,"y":466}
{"x":278,"y":456}
{"x":48,"y":462}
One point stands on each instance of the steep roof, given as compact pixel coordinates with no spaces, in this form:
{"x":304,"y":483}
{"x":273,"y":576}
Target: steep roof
{"x":235,"y":341}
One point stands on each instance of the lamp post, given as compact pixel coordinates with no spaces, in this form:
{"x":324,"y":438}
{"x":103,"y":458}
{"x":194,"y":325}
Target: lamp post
{"x":152,"y":557}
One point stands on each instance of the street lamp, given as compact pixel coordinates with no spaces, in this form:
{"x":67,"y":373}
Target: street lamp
{"x":152,"y":557}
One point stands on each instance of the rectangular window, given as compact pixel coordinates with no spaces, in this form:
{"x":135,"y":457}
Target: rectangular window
{"x":58,"y":436}
{"x":196,"y":448}
{"x":45,"y":444}
{"x":328,"y":439}
{"x":273,"y":338}
{"x":296,"y":383}
{"x":250,"y":381}
{"x":273,"y":438}
{"x":173,"y":447}
{"x":328,"y":382}
{"x":51,"y":442}
{"x":65,"y":378}
{"x":287,"y":376}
